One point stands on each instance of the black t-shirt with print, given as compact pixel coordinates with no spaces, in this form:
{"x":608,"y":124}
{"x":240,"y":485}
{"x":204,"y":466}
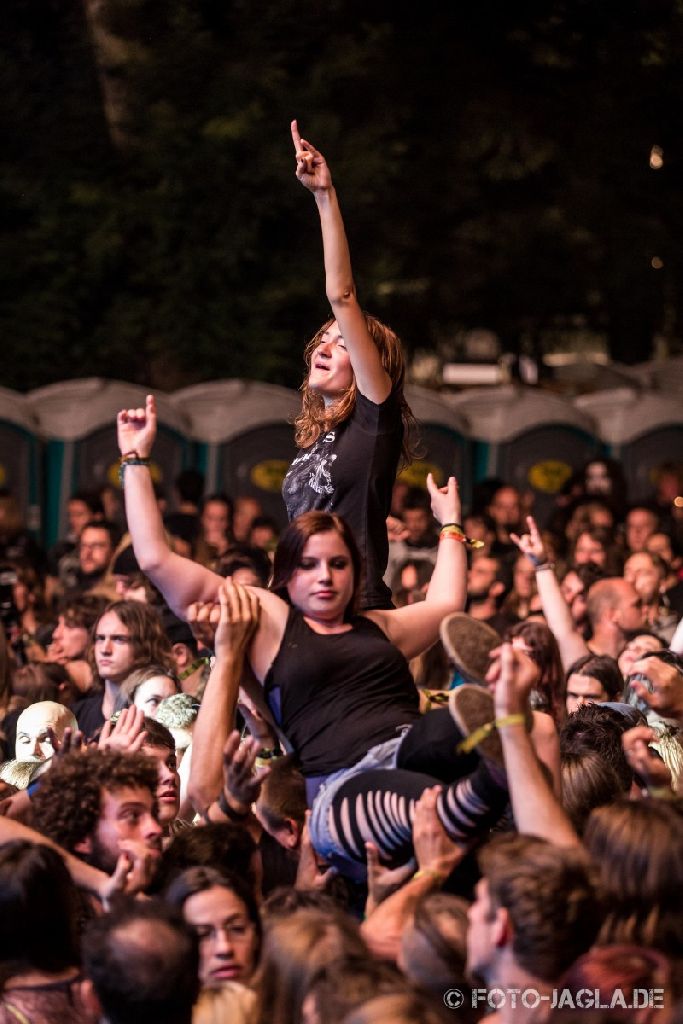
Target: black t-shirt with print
{"x":351,"y":470}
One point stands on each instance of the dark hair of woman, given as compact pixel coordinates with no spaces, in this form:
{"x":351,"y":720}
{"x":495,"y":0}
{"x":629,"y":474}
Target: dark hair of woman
{"x":544,"y":652}
{"x":39,"y":911}
{"x":291,"y":548}
{"x":199,"y":879}
{"x":314,"y":417}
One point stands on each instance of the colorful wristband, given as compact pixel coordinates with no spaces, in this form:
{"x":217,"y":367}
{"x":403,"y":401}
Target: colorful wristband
{"x":130,"y":459}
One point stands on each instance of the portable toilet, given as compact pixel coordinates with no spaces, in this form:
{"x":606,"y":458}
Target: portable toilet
{"x":78,"y":419}
{"x":444,"y":447}
{"x":530,"y":438}
{"x":20,"y":449}
{"x":246,"y":437}
{"x":643,"y":429}
{"x":661,"y":374}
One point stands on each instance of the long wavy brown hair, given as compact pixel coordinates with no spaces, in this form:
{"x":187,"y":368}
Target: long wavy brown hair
{"x":315,"y":418}
{"x":149,"y":642}
{"x":636,"y":847}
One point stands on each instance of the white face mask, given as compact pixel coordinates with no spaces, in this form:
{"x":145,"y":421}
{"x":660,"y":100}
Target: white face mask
{"x":33,"y":739}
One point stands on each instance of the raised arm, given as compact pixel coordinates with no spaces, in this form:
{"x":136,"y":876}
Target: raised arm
{"x":556,"y":610}
{"x":238,"y":618}
{"x":181,"y":581}
{"x":312,"y":171}
{"x":536,"y":809}
{"x":415,"y":628}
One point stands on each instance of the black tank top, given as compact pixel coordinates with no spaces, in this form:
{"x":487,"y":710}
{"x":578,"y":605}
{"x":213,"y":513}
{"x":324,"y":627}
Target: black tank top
{"x":336,"y":695}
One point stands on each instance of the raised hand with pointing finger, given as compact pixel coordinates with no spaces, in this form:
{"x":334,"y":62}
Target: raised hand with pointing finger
{"x":311,"y":166}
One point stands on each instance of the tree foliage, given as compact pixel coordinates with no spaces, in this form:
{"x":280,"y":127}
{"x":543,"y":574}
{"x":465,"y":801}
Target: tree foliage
{"x":491,"y":159}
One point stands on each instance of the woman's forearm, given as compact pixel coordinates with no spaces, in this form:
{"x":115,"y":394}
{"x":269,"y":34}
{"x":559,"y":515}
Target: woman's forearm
{"x":448,"y":585}
{"x":371,"y":378}
{"x":339,"y":283}
{"x":144,"y":519}
{"x":559,"y":618}
{"x":180,"y":580}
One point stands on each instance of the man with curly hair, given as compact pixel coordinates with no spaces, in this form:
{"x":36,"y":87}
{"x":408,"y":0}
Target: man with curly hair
{"x":100,"y":804}
{"x":127,"y":636}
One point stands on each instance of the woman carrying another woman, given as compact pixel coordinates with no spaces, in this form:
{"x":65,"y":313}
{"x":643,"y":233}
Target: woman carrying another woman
{"x":337,"y":682}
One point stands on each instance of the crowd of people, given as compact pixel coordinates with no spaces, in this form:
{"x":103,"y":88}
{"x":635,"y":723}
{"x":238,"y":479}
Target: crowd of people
{"x":397,"y":762}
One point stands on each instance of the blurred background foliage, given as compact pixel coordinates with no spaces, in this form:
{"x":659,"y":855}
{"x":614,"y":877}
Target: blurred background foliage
{"x":492,"y":162}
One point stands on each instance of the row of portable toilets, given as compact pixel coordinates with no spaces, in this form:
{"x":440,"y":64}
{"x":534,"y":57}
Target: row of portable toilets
{"x":61,"y":438}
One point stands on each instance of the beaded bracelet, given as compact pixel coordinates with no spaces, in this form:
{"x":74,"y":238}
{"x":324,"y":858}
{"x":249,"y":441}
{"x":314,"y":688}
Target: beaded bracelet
{"x":131,"y":459}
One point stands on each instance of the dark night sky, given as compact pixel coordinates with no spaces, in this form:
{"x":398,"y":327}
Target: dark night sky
{"x":492,"y":163}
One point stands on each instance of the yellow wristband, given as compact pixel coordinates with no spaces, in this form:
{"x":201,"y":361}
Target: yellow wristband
{"x":430,"y":873}
{"x":452,"y":535}
{"x":455,"y":532}
{"x":475,"y":738}
{"x":518,"y":719}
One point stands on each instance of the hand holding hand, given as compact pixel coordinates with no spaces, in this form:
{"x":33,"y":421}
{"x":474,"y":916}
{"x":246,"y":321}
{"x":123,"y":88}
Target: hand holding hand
{"x":240,"y":610}
{"x":311,"y":167}
{"x":137,"y":428}
{"x":531,"y":543}
{"x":202,"y":618}
{"x":445,"y":500}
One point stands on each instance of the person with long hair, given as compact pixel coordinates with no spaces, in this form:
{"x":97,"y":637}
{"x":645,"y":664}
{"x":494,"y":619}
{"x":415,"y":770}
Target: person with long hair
{"x":39,"y":938}
{"x":636,"y":848}
{"x":336,"y":682}
{"x":538,"y":642}
{"x":146,"y":688}
{"x":295,"y":949}
{"x":222,"y":910}
{"x":127,"y":636}
{"x":593,"y":679}
{"x":354,"y":424}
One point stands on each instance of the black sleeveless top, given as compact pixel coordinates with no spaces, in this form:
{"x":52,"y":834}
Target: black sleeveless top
{"x":337,"y":695}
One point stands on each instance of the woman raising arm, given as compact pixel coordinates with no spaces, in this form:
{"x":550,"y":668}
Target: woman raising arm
{"x":354,"y":420}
